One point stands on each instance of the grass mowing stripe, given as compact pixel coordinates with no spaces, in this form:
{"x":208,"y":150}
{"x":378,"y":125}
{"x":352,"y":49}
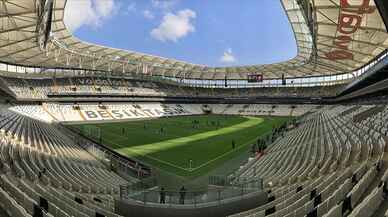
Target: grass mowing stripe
{"x":114,"y":132}
{"x":153,"y":158}
{"x":182,"y":168}
{"x":227,"y":153}
{"x":146,"y":156}
{"x":185,"y":141}
{"x":207,"y":146}
{"x":159,"y":146}
{"x":180,"y":125}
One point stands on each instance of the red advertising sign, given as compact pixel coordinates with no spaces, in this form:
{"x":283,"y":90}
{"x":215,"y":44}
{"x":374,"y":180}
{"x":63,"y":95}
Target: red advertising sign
{"x":349,"y":21}
{"x":255,"y":78}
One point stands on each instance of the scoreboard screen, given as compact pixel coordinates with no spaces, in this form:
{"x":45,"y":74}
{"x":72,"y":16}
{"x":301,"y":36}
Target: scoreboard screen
{"x":254,"y":78}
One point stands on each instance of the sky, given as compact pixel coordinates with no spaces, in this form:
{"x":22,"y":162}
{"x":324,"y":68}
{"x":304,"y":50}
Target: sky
{"x":216,"y":33}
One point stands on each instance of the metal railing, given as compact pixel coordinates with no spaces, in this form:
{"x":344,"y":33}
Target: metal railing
{"x":158,"y":196}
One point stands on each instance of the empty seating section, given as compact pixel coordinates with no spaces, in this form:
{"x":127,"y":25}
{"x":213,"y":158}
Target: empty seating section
{"x":34,"y":111}
{"x":43,"y":88}
{"x":38,"y":161}
{"x":263,"y":109}
{"x":324,"y":167}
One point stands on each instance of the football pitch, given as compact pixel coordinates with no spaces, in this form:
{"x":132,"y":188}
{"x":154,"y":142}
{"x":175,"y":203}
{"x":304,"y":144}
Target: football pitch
{"x":187,"y":146}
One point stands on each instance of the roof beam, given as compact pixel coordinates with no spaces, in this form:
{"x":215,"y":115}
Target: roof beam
{"x":17,"y":42}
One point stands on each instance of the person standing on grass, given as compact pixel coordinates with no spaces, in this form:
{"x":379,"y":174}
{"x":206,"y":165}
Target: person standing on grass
{"x":162,"y":196}
{"x":182,"y":194}
{"x":233,"y":144}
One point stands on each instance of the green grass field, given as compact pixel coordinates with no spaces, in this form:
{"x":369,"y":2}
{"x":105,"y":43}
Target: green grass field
{"x":170,"y":143}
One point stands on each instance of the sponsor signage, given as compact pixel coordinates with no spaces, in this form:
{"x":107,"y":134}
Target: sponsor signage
{"x":133,"y":113}
{"x":255,"y":78}
{"x":349,"y":21}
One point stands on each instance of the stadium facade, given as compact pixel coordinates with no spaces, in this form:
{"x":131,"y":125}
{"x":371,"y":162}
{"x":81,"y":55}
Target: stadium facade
{"x":330,"y":159}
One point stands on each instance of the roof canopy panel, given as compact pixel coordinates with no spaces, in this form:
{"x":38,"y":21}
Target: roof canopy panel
{"x":333,"y":36}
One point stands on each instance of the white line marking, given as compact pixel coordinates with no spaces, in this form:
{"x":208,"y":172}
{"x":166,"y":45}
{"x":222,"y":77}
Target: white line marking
{"x":179,"y":167}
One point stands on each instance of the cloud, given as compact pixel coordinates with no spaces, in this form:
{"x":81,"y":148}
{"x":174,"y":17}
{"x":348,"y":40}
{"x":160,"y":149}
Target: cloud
{"x":88,"y":12}
{"x":148,"y":14}
{"x":166,"y":5}
{"x":104,"y":8}
{"x":228,"y":57}
{"x":175,"y":26}
{"x":131,"y":7}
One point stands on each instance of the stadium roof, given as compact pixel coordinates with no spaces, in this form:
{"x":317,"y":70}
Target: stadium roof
{"x":332,"y":37}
